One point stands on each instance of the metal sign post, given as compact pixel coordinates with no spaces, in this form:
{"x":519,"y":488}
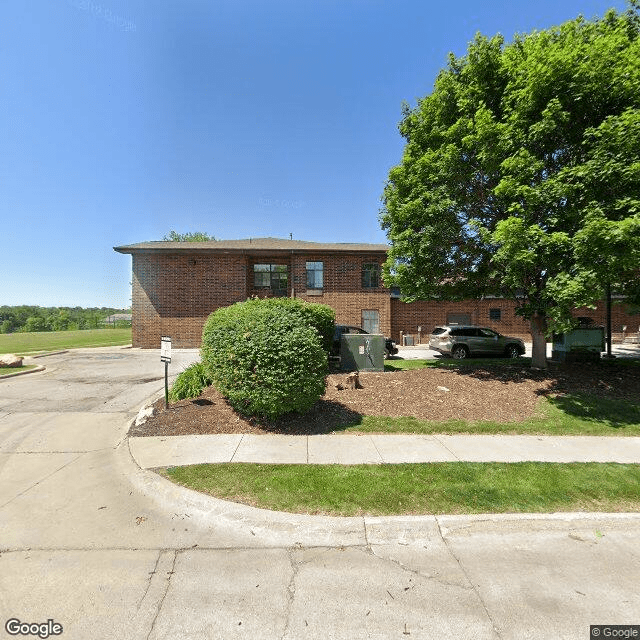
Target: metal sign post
{"x":165,"y":356}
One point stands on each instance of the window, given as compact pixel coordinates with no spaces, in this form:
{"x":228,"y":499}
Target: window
{"x":371,"y":320}
{"x":467,"y":332}
{"x":271,"y":276}
{"x":370,"y":276}
{"x":315,"y":276}
{"x":458,"y":318}
{"x":495,"y":314}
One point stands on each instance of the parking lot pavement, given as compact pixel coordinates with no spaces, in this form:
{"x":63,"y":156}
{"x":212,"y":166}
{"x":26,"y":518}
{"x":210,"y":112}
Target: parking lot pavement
{"x":107,"y":550}
{"x":422,"y":352}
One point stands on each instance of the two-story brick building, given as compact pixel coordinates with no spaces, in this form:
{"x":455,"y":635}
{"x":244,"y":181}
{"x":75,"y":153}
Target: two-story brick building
{"x":176,"y":285}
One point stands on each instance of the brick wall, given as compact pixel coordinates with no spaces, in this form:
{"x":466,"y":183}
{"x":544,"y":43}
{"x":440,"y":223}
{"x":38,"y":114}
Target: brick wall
{"x":174,"y":294}
{"x":620,"y":317}
{"x":342,"y":286}
{"x":407,"y":317}
{"x":343,"y":289}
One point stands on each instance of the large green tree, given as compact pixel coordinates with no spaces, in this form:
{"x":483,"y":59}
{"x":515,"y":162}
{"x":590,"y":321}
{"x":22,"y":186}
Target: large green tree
{"x":521,"y":174}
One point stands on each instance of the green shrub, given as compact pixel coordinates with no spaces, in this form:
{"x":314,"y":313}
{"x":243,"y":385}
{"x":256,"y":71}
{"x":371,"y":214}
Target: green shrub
{"x":319,"y":316}
{"x":190,"y":383}
{"x":266,"y":356}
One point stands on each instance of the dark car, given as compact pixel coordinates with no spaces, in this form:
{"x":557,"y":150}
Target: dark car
{"x":390,"y":348}
{"x":464,"y":341}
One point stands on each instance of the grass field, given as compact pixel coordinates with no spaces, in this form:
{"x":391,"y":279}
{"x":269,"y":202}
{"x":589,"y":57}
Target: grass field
{"x":394,"y":489}
{"x":38,"y":342}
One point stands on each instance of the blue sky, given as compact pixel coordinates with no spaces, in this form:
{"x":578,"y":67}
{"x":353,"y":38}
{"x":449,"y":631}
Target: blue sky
{"x":121,"y":120}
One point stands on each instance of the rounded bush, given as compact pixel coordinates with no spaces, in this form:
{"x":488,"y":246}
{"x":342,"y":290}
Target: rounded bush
{"x":265,"y":356}
{"x":190,"y":382}
{"x":319,"y":316}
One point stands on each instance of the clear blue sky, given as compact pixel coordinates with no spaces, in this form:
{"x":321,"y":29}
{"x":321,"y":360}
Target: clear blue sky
{"x":122,"y":119}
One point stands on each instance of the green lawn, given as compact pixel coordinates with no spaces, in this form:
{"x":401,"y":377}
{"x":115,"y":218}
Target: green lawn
{"x":491,"y":363}
{"x":450,"y":363}
{"x":581,"y":415}
{"x":37,"y":342}
{"x":6,"y":370}
{"x":451,"y":487}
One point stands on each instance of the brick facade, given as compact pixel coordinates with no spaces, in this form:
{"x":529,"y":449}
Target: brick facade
{"x":174,"y":294}
{"x":177,"y":285}
{"x":407,"y":318}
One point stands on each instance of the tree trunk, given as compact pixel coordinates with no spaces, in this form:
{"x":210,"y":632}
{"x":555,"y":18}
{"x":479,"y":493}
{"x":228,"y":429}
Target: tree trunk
{"x":539,"y":348}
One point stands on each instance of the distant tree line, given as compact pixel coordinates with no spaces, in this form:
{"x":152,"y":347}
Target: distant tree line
{"x":25,"y":318}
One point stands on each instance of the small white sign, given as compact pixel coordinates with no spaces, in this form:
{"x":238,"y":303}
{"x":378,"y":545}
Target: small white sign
{"x":165,"y":349}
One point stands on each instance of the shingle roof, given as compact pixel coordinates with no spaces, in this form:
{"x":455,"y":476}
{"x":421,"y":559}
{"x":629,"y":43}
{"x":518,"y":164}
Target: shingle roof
{"x":250,"y":244}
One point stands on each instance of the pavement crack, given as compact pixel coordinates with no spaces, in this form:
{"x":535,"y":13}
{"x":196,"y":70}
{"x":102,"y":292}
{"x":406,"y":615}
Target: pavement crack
{"x":419,"y":574}
{"x":166,"y":590}
{"x":151,"y":574}
{"x":373,"y":442}
{"x":291,"y":591}
{"x":447,"y":448}
{"x":237,"y":447}
{"x":33,"y":486}
{"x":468,"y":578}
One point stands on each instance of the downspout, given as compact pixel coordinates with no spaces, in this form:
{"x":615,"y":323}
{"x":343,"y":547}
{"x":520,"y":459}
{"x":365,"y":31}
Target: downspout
{"x":293,"y":289}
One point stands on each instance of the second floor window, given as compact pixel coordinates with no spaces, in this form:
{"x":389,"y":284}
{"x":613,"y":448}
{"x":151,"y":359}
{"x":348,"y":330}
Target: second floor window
{"x":370,"y":276}
{"x":271,"y":276}
{"x":315,"y":277}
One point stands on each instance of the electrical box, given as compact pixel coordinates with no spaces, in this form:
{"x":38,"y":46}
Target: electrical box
{"x":362,"y":352}
{"x":578,"y":345}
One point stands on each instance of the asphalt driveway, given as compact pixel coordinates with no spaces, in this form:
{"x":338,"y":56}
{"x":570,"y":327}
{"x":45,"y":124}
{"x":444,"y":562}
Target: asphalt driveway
{"x":107,"y":550}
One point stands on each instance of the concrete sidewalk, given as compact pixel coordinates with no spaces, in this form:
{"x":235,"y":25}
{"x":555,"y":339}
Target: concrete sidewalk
{"x":164,"y":451}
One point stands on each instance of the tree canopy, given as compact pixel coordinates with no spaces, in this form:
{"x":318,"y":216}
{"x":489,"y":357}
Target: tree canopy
{"x":190,"y":236}
{"x":521,"y":173}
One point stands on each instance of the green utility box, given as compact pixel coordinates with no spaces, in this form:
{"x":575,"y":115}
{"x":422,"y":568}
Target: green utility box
{"x":361,"y":352}
{"x":579,"y":345}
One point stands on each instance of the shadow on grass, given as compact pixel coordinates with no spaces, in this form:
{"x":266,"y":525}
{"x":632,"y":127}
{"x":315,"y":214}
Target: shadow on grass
{"x":616,"y":413}
{"x":607,"y":392}
{"x":451,"y":364}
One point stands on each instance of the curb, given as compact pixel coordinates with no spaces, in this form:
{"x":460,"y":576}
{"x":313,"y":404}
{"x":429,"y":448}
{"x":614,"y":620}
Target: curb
{"x":277,"y":528}
{"x":22,"y":373}
{"x":49,"y":353}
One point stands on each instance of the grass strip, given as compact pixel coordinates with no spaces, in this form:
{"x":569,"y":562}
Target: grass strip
{"x":438,"y":488}
{"x":22,"y":343}
{"x":575,"y":414}
{"x":451,"y":363}
{"x":494,"y":363}
{"x":6,"y":370}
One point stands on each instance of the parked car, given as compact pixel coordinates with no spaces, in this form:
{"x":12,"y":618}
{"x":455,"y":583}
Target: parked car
{"x":390,"y":348}
{"x":464,"y":341}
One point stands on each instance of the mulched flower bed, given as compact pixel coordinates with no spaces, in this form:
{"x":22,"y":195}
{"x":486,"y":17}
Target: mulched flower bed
{"x":508,"y":393}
